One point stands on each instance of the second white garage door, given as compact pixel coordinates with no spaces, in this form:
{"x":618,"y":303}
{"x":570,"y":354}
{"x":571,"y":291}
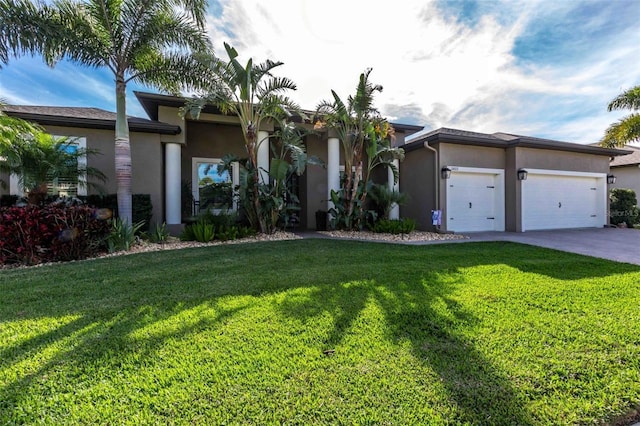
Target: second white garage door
{"x":475,"y":200}
{"x":556,"y":200}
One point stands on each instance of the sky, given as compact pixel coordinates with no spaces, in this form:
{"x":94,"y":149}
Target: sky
{"x":543,"y":68}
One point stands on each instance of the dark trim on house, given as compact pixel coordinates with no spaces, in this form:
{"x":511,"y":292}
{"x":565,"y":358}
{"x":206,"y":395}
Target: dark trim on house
{"x":151,"y":101}
{"x":135,"y":124}
{"x":501,"y":140}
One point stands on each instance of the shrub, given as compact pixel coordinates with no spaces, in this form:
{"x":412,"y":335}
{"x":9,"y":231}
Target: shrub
{"x":395,"y":226}
{"x":623,"y":207}
{"x":122,"y":236}
{"x":142,"y":208}
{"x":202,"y":231}
{"x":32,"y":234}
{"x":159,"y":233}
{"x":8,"y":200}
{"x":223,"y":227}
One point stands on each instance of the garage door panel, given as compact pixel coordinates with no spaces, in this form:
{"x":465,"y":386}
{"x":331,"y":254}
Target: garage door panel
{"x":472,"y":200}
{"x":561,"y":201}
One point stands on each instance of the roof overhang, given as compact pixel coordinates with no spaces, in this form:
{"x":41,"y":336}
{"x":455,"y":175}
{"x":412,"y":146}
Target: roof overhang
{"x":436,"y":137}
{"x":152,"y":101}
{"x":135,"y":125}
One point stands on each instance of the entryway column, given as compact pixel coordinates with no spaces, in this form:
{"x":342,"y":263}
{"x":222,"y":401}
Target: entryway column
{"x":172,"y":185}
{"x":395,"y":209}
{"x":333,"y":168}
{"x":263,"y":155}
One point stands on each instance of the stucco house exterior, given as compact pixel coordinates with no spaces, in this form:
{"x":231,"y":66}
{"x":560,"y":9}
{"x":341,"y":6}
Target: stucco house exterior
{"x":473,"y":178}
{"x":504,"y":182}
{"x":626,"y":169}
{"x":169,"y":152}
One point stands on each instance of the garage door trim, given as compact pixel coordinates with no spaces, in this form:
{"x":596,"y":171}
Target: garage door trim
{"x":499,"y":199}
{"x":601,"y":180}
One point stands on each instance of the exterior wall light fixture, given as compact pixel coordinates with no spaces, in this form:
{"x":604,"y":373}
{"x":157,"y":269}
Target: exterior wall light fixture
{"x":522,"y":174}
{"x":445,"y":173}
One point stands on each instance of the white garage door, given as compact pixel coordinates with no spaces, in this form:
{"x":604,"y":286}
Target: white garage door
{"x":475,"y":200}
{"x":556,"y":201}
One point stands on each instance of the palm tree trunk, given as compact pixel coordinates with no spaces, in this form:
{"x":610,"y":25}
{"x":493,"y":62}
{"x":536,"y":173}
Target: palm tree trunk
{"x":123,"y":153}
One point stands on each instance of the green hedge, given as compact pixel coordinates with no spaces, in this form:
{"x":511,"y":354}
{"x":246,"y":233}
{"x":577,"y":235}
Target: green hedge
{"x":142,"y":209}
{"x":7,"y":200}
{"x":623,"y":207}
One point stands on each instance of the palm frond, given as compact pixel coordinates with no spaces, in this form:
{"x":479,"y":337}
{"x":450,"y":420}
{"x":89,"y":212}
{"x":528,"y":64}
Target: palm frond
{"x":629,"y":99}
{"x":625,"y":131}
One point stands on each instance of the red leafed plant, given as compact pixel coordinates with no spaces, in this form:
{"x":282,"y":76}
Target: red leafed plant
{"x":31,"y":235}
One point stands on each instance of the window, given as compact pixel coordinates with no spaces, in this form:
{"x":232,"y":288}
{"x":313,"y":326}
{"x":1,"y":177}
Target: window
{"x":63,"y":186}
{"x":212,"y":190}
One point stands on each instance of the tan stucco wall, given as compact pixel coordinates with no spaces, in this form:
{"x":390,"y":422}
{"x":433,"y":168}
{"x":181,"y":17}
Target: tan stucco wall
{"x":172,"y":116}
{"x":455,"y":155}
{"x":146,"y":161}
{"x":416,"y":177}
{"x":417,"y":180}
{"x":210,"y":140}
{"x":470,"y":156}
{"x":627,"y":177}
{"x":560,"y":160}
{"x":512,"y":192}
{"x":523,"y":158}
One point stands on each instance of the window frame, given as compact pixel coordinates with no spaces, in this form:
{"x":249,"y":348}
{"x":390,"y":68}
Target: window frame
{"x":81,"y":186}
{"x":195,"y":188}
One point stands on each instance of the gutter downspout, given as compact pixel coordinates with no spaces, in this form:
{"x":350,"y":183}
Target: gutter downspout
{"x":436,"y":176}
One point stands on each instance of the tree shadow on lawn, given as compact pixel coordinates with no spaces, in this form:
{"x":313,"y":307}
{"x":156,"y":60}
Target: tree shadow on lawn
{"x":135,"y":294}
{"x":422,"y":313}
{"x":88,"y":340}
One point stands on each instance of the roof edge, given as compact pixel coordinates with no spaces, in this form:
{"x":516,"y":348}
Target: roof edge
{"x":96,"y":123}
{"x":438,"y":136}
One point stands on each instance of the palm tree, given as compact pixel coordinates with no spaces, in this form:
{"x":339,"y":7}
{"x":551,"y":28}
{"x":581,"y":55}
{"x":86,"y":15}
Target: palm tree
{"x":627,"y":129}
{"x":253,"y":94}
{"x":149,"y":42}
{"x":362,"y":131}
{"x":41,"y":159}
{"x":14,"y":130}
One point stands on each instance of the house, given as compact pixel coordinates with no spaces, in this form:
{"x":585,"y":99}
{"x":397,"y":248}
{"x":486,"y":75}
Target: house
{"x":626,"y":169}
{"x":95,"y":129}
{"x":173,"y":158}
{"x":500,"y":181}
{"x":479,"y":181}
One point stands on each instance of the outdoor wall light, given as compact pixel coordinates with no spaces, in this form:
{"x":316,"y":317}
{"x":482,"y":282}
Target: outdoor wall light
{"x":611,"y":179}
{"x":522,"y":174}
{"x":445,"y":173}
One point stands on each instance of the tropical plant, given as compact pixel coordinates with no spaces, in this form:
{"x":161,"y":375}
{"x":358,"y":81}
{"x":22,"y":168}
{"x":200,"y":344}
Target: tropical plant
{"x":159,"y":233}
{"x":384,"y":198}
{"x":626,"y":130}
{"x":51,"y":233}
{"x":123,"y":235}
{"x":395,"y":226}
{"x":15,"y":130}
{"x":277,"y":203}
{"x":38,"y":159}
{"x":255,"y":95}
{"x":149,"y":42}
{"x":366,"y":138}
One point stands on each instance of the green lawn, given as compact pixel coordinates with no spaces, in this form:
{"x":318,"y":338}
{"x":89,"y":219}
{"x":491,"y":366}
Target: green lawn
{"x":478,"y":333}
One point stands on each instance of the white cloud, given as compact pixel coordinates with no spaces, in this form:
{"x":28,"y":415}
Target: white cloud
{"x":436,"y":68}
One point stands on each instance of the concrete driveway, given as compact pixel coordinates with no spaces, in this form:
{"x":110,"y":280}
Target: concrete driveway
{"x":621,"y":245}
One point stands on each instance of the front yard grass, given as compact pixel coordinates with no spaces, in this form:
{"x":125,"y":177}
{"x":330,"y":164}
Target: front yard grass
{"x":322,"y":332}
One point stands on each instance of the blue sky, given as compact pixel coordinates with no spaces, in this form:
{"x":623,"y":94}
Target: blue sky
{"x":544,"y":68}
